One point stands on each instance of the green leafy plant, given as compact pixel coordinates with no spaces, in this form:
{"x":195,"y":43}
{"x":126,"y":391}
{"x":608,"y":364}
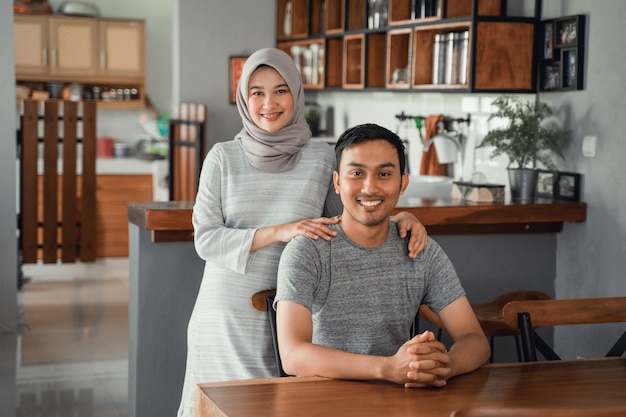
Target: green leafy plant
{"x":526,"y":141}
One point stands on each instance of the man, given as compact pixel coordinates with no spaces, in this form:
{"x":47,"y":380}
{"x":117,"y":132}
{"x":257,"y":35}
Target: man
{"x":344,"y":307}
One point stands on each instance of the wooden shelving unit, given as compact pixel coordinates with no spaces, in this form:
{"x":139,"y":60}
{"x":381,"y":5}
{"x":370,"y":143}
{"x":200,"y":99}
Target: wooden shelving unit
{"x":498,"y":56}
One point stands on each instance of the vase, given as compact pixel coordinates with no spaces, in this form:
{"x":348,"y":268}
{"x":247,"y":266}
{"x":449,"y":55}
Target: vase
{"x":523,"y":182}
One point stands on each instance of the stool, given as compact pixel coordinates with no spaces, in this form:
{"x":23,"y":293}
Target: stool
{"x":490,"y":317}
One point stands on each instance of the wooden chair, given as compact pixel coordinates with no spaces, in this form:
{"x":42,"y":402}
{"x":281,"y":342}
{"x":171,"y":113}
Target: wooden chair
{"x":490,"y":317}
{"x":57,"y":218}
{"x":539,"y":412}
{"x":529,"y":315}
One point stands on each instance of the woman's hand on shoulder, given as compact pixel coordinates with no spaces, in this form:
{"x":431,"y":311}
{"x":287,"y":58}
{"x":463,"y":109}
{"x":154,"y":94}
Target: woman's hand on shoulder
{"x":313,"y":228}
{"x":407,"y":222}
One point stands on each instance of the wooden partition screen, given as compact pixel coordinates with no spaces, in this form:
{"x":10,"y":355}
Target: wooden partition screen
{"x":187,"y":135}
{"x":57,"y":219}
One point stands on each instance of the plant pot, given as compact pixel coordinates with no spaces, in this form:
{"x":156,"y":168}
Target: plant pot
{"x":523,"y":182}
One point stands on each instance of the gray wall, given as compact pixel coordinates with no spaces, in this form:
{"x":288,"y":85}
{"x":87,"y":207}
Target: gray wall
{"x":8,"y":242}
{"x":211,"y":31}
{"x":591,"y":256}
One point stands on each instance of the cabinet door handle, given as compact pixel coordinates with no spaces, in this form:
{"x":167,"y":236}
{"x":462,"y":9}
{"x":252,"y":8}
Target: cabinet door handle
{"x":44,"y":56}
{"x":54,"y":57}
{"x":103,"y":60}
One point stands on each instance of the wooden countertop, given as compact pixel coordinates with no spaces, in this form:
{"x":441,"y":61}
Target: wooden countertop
{"x":170,"y":221}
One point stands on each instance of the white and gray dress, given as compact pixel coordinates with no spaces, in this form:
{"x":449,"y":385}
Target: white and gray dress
{"x":227,"y":338}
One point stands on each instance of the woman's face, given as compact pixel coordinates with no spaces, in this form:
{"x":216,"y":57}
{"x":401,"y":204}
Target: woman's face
{"x":270,"y":102}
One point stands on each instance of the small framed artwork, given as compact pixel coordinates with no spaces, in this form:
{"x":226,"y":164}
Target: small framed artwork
{"x":569,"y":69}
{"x":567,"y":31}
{"x":235,"y":65}
{"x":567,"y":186}
{"x":551,"y":76}
{"x":548,"y":40}
{"x":545,"y":184}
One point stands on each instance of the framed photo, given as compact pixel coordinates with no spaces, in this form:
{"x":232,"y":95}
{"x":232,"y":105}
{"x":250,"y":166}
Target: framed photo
{"x":567,"y":31}
{"x":235,"y":64}
{"x":567,"y":186}
{"x":569,"y":69}
{"x":545,"y":184}
{"x":548,"y":40}
{"x":551,"y":76}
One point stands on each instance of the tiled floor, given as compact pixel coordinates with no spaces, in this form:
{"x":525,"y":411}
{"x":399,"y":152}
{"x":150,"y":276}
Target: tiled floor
{"x":72,"y":355}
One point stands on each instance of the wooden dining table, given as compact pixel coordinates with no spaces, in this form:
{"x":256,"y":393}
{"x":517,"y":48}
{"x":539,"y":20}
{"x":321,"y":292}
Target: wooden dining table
{"x":588,"y":384}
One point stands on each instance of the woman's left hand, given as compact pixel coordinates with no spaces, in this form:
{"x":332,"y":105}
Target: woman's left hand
{"x":407,"y":222}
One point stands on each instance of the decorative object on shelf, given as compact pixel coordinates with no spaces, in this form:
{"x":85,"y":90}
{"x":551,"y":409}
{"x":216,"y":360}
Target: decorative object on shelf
{"x":526,"y":140}
{"x":478,"y":193}
{"x":567,"y":186}
{"x":287,"y":22}
{"x":235,"y":64}
{"x":545,"y":183}
{"x":377,"y":14}
{"x":450,"y":58}
{"x":562,"y":66}
{"x":313,"y":116}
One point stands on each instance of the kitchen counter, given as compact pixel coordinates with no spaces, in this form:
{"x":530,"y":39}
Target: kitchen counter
{"x":172,"y":220}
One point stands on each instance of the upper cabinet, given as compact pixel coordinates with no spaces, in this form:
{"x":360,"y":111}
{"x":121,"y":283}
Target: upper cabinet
{"x":105,"y":55}
{"x":415,"y":45}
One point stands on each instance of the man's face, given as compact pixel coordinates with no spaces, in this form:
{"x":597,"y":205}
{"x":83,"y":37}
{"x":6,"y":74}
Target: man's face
{"x":369,"y":182}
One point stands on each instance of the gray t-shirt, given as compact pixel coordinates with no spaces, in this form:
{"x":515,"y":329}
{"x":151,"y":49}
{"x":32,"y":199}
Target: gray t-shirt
{"x":364,"y":300}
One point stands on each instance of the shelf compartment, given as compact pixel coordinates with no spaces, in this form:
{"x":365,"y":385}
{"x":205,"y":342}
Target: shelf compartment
{"x":410,"y":11}
{"x":334,"y":58}
{"x":298,"y":25}
{"x":334,"y":16}
{"x":504,"y":56}
{"x":423,"y":51}
{"x":353,"y":63}
{"x":463,"y":8}
{"x":318,"y":18}
{"x":356,"y":15}
{"x":398,"y":58}
{"x":375,"y":56}
{"x":298,"y":50}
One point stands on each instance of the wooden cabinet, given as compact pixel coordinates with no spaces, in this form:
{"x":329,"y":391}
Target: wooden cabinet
{"x":113,"y":194}
{"x":108,"y":54}
{"x":475,"y":44}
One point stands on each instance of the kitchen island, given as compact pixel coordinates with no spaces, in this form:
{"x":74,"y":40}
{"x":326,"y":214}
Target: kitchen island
{"x":495,"y":248}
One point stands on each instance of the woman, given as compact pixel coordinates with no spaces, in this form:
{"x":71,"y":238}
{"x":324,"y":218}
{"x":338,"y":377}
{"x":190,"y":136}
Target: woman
{"x":256,"y":193}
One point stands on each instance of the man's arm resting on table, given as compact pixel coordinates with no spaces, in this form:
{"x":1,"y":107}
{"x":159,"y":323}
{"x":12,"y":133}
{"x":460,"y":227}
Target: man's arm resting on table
{"x":301,"y":357}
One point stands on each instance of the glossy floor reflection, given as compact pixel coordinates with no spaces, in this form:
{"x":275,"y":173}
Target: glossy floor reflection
{"x":72,"y":358}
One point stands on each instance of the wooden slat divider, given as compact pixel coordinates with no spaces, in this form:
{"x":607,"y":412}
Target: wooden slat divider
{"x":50,"y":183}
{"x":57,"y":218}
{"x":28,"y":189}
{"x":68,"y":194}
{"x":88,"y":212}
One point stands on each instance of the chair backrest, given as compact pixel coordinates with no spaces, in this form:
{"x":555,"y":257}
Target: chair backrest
{"x":264,"y":301}
{"x":58,"y":208}
{"x":529,"y":315}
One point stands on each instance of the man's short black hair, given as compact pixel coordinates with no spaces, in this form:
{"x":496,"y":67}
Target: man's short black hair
{"x":365,"y":133}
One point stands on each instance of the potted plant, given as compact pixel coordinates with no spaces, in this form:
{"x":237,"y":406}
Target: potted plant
{"x":526,"y":140}
{"x":313,"y":115}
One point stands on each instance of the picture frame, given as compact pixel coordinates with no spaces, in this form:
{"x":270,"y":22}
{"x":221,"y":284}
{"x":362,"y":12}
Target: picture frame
{"x":570,"y":69}
{"x":235,"y":65}
{"x":551,"y":76}
{"x":548,"y":40}
{"x":567,"y":31}
{"x":545,"y":183}
{"x":567,"y":186}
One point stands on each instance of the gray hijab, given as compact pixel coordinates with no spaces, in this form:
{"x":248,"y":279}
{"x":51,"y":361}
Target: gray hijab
{"x":279,"y":151}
